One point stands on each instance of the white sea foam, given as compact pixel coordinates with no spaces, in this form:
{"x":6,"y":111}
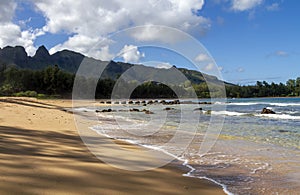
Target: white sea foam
{"x":84,"y":110}
{"x":279,"y":104}
{"x":279,"y":116}
{"x":246,"y":103}
{"x":285,"y":104}
{"x":228,"y":113}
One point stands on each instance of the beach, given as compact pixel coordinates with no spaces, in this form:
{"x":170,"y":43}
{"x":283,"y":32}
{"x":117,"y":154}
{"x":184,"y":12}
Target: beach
{"x":42,"y":153}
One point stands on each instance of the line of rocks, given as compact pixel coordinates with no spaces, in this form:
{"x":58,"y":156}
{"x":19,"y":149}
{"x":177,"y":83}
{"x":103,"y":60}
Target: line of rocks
{"x":149,"y":102}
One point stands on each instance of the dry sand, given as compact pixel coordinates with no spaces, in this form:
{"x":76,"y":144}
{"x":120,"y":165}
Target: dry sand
{"x":42,"y":153}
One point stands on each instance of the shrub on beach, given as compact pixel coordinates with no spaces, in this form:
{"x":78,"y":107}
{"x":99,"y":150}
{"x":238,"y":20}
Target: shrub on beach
{"x":26,"y":94}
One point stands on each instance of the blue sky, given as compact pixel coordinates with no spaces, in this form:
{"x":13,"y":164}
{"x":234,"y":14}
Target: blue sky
{"x":249,"y":40}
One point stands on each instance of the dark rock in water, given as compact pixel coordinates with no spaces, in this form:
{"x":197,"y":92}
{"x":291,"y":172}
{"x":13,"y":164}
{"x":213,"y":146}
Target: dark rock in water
{"x":155,"y":101}
{"x":162,"y":101}
{"x":130,"y":102}
{"x":283,"y":131}
{"x":188,"y":102}
{"x":108,"y":110}
{"x":134,"y":110}
{"x":148,"y":112}
{"x":97,"y":111}
{"x":208,"y":112}
{"x":150,"y":102}
{"x":116,"y":102}
{"x":167,"y":108}
{"x":196,"y":109}
{"x":102,"y":102}
{"x":144,"y":104}
{"x":108,"y":102}
{"x":123,"y":102}
{"x":267,"y":111}
{"x":137,"y":102}
{"x":176,"y":102}
{"x":205,"y":103}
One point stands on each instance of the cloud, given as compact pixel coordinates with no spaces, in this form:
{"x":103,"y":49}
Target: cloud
{"x":240,"y":69}
{"x":156,"y":33}
{"x":279,"y":53}
{"x":130,"y":53}
{"x":221,"y":68}
{"x":7,"y":10}
{"x":243,"y":5}
{"x":11,"y":34}
{"x":202,"y":58}
{"x":164,"y":65}
{"x":93,"y":47}
{"x":273,"y":7}
{"x":209,"y":67}
{"x":99,"y":18}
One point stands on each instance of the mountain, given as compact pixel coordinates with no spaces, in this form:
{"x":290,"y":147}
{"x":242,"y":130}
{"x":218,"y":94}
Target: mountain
{"x":70,"y":61}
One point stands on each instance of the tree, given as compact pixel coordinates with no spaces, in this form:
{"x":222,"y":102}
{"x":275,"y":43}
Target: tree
{"x":297,"y":86}
{"x":291,"y":84}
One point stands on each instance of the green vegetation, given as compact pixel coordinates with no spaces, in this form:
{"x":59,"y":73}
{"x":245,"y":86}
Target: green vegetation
{"x":35,"y":83}
{"x":264,"y":89}
{"x":52,"y":82}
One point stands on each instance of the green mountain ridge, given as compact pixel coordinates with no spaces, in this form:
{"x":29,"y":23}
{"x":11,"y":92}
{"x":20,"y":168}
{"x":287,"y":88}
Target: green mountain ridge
{"x":70,"y":61}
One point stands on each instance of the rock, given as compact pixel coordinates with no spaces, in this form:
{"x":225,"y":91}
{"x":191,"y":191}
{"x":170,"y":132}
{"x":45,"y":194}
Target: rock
{"x":188,"y":102}
{"x":97,"y":111}
{"x":134,"y":110}
{"x":102,"y":102}
{"x":123,"y":102}
{"x":198,"y":109}
{"x":204,"y":102}
{"x":208,"y":112}
{"x":167,"y":108}
{"x":176,"y":102}
{"x":137,"y":102}
{"x":267,"y":111}
{"x":108,"y":110}
{"x":162,"y":102}
{"x":150,"y":102}
{"x":116,"y":102}
{"x":130,"y":102}
{"x":148,"y":112}
{"x":144,"y":104}
{"x":108,"y":102}
{"x":283,"y":131}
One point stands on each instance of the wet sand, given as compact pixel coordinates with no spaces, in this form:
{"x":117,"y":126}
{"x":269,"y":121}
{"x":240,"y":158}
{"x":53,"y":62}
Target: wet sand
{"x":42,"y":153}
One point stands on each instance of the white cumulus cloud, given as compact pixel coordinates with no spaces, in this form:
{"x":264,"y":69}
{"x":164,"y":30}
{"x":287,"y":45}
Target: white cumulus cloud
{"x":130,"y":53}
{"x":202,"y":57}
{"x":243,"y":5}
{"x":273,"y":7}
{"x":164,"y":65}
{"x":99,"y":18}
{"x":209,"y":67}
{"x":10,"y":33}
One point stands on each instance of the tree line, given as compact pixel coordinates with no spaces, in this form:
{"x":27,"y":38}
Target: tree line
{"x":265,"y":89}
{"x":54,"y":82}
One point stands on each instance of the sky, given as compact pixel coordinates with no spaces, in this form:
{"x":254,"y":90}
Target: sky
{"x":240,"y":41}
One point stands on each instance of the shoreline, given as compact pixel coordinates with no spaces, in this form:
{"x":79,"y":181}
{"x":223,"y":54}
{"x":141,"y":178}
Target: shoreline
{"x":41,"y":152}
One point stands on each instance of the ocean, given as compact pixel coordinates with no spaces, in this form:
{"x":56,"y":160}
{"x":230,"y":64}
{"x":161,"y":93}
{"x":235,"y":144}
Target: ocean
{"x":254,"y":153}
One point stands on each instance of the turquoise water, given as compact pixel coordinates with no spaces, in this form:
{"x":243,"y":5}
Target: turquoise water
{"x":254,"y":153}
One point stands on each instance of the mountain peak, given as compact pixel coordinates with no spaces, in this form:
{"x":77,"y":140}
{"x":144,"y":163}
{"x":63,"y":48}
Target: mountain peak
{"x":42,"y":52}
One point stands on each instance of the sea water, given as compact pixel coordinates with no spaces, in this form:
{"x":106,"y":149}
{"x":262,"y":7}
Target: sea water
{"x":254,"y":154}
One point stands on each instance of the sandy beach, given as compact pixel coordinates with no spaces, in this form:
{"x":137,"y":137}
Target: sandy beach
{"x":42,"y":153}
